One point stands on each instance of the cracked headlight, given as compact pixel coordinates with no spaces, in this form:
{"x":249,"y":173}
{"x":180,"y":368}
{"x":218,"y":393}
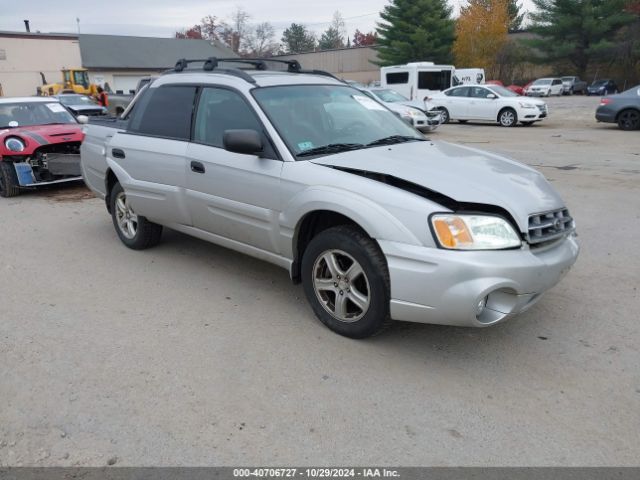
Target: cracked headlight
{"x":474,"y":232}
{"x":413,"y":113}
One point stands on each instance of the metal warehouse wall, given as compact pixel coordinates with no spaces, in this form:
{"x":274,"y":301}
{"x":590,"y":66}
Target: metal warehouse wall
{"x":23,"y":56}
{"x":348,"y":63}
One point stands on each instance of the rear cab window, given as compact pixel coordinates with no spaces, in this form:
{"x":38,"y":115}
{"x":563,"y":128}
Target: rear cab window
{"x":165,"y":112}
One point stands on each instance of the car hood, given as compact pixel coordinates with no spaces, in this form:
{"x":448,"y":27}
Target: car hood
{"x":463,"y":174}
{"x":414,"y":103}
{"x":82,"y":108}
{"x":38,"y":135}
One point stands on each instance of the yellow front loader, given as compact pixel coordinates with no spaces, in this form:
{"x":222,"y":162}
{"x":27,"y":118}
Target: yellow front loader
{"x":74,"y":80}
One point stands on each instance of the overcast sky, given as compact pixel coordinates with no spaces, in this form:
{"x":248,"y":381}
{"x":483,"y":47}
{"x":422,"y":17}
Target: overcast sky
{"x":164,"y":17}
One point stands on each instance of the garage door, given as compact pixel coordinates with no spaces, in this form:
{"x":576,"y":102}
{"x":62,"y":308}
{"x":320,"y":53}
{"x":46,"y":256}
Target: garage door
{"x":125,"y":83}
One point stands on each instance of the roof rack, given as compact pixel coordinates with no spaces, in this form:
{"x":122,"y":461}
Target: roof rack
{"x":211,"y":63}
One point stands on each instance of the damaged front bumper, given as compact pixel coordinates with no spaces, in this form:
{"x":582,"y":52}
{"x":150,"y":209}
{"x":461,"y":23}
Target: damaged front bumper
{"x":473,"y":289}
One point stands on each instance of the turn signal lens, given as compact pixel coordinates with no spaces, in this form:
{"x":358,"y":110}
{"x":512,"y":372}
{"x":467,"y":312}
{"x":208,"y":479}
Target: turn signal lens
{"x":474,"y":232}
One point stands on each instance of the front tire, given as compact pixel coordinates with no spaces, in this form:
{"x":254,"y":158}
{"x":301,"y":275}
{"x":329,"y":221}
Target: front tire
{"x":445,"y":114}
{"x":508,"y":117}
{"x":346,"y":281}
{"x":629,"y":119}
{"x":8,"y":180}
{"x":135,"y":231}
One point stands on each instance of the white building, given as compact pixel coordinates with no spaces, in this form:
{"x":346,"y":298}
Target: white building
{"x":24,"y":55}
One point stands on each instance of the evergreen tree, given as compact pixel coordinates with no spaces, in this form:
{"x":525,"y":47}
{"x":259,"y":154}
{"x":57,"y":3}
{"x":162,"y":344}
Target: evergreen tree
{"x":516,"y":16}
{"x":297,"y":39}
{"x":330,"y":39}
{"x":577,"y":31}
{"x":415,"y":30}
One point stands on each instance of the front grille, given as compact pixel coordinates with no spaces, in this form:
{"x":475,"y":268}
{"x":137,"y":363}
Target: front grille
{"x":549,"y":225}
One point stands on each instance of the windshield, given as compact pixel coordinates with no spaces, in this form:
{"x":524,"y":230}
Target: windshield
{"x":311,"y":117}
{"x":503,"y":92}
{"x":543,"y":81}
{"x":33,"y":113}
{"x":76,"y":100}
{"x":567,"y":79}
{"x":599,"y":82}
{"x":390,"y":96}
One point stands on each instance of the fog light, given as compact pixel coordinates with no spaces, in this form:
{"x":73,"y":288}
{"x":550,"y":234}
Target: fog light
{"x":481,"y":306}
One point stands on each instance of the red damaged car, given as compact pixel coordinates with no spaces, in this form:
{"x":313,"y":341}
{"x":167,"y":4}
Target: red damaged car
{"x":39,"y":144}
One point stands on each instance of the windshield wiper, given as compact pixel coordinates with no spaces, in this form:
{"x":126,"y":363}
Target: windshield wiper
{"x":393,"y":139}
{"x":331,"y":148}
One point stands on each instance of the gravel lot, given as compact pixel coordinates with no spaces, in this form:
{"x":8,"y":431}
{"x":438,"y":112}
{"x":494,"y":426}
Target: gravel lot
{"x":190,"y":354}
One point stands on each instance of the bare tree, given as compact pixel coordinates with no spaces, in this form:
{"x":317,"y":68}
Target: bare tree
{"x":235,"y":35}
{"x":211,"y":28}
{"x":261,"y":41}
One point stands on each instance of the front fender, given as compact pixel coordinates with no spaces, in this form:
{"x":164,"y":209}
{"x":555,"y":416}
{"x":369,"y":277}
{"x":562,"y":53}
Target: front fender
{"x":377,"y":222}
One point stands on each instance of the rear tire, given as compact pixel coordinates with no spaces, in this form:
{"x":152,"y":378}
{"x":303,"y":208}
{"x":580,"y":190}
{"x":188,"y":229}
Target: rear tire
{"x":629,"y":119}
{"x":135,"y":231}
{"x":8,"y":180}
{"x":346,"y":281}
{"x":508,"y":117}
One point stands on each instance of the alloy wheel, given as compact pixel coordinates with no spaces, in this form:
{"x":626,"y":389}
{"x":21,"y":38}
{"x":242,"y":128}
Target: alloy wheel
{"x":341,"y":285}
{"x":126,"y":218}
{"x":629,"y":120}
{"x":507,"y":118}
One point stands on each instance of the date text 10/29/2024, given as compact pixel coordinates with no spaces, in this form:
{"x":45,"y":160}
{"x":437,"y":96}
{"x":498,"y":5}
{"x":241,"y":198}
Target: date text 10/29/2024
{"x":315,"y":473}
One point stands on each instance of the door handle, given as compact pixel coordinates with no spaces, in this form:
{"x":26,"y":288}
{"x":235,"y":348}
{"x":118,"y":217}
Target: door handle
{"x":197,"y":167}
{"x":117,"y":153}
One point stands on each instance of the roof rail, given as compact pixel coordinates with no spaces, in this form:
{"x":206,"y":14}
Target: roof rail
{"x":211,"y":63}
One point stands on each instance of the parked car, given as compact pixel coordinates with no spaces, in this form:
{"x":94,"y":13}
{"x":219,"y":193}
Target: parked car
{"x":602,"y":87}
{"x":545,"y":87}
{"x":411,"y":111}
{"x":81,"y":104}
{"x":573,"y":85}
{"x":517,"y":89}
{"x":623,"y":109}
{"x":303,"y":171}
{"x":39,"y":144}
{"x":489,"y":103}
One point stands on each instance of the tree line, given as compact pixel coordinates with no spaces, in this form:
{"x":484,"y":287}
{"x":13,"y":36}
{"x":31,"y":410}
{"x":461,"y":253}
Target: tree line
{"x":259,"y":39}
{"x":573,"y":36}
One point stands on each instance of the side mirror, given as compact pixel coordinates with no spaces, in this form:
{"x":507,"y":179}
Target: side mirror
{"x":83,"y":119}
{"x":492,"y":96}
{"x":248,"y":142}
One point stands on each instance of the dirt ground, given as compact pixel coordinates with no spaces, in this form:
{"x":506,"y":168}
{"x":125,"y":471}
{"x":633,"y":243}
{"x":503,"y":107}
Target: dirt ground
{"x":190,"y":354}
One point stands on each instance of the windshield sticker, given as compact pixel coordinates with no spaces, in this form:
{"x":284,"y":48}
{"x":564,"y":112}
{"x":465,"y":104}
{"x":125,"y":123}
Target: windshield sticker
{"x":56,"y":107}
{"x":368,"y":103}
{"x":305,"y":146}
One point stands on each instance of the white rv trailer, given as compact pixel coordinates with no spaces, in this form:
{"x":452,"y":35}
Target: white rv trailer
{"x":419,"y":80}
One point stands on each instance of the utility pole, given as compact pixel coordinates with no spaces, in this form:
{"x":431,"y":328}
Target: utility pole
{"x":78,"y":22}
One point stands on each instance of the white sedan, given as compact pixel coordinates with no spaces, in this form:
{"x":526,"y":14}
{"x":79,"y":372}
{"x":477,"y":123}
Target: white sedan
{"x":490,"y":103}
